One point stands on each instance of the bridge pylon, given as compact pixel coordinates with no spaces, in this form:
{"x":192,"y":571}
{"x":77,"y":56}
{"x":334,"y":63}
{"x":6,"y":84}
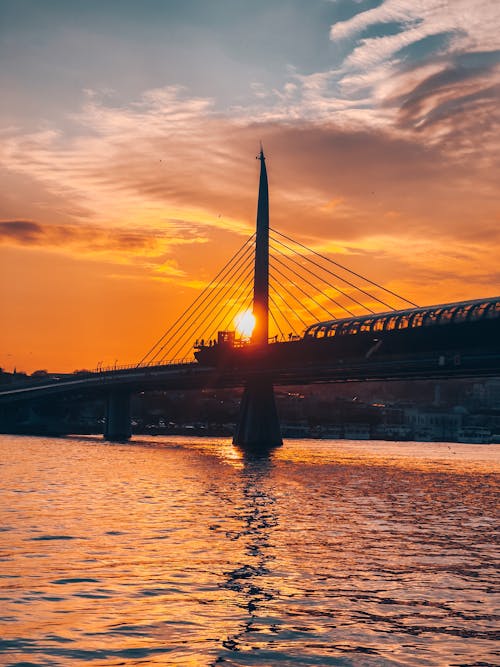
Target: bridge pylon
{"x":258,"y":425}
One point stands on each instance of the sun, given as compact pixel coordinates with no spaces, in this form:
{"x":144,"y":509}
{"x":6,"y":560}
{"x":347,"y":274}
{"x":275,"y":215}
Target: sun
{"x":244,"y":323}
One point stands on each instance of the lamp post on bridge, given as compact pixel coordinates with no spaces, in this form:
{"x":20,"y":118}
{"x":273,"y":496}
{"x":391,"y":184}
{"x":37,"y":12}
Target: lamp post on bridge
{"x":258,"y":425}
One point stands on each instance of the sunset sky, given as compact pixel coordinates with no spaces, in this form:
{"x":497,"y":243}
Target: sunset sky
{"x":128,"y":136}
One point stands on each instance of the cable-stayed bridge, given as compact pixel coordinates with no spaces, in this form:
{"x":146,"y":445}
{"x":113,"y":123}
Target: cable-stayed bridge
{"x":281,"y":313}
{"x":304,"y":287}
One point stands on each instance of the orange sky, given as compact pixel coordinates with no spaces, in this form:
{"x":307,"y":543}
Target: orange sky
{"x":123,"y":196}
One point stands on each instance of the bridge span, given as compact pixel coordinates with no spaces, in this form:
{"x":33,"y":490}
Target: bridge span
{"x":413,"y":344}
{"x":193,"y":376}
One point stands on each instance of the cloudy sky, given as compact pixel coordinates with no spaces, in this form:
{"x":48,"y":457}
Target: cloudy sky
{"x":129,"y":131}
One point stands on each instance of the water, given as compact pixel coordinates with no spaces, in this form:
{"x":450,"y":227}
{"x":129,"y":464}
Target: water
{"x":179,"y":552}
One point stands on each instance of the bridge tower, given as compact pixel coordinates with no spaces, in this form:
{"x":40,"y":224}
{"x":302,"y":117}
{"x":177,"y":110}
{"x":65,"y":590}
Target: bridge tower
{"x":258,"y":425}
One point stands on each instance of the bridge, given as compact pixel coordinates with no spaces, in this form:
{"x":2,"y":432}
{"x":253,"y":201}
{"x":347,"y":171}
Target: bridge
{"x":443,"y":341}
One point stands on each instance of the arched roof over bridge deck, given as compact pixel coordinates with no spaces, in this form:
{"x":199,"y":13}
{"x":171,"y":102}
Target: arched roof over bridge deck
{"x":449,"y":313}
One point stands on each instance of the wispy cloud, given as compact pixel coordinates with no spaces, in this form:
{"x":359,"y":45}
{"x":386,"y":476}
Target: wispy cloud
{"x":137,"y":247}
{"x":426,"y":70}
{"x":432,"y":68}
{"x":140,"y":163}
{"x":472,"y":24}
{"x":191,"y":177}
{"x":401,"y":132}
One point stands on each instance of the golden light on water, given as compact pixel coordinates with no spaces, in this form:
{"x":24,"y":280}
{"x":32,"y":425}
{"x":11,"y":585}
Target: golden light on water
{"x":239,"y":550}
{"x":244,"y":323}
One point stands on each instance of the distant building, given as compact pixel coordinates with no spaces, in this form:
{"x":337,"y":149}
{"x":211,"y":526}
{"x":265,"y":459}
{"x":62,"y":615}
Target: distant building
{"x":433,"y":424}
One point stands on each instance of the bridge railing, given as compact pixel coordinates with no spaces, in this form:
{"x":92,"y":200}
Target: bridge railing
{"x":124,"y":367}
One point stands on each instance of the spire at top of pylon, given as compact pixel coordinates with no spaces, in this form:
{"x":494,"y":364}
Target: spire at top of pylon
{"x":261,"y":273}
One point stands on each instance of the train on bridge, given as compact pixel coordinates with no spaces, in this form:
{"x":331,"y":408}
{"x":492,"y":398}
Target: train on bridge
{"x":451,"y":329}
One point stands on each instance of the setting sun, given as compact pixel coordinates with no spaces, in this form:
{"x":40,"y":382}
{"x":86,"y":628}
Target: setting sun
{"x":245,"y":323}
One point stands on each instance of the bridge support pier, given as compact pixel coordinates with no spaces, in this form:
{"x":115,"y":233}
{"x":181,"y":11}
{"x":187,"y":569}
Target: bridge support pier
{"x":118,"y":425}
{"x":258,"y":428}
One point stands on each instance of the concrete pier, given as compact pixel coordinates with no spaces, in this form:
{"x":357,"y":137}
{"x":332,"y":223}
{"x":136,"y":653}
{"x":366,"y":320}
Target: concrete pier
{"x":258,"y":427}
{"x":118,"y":425}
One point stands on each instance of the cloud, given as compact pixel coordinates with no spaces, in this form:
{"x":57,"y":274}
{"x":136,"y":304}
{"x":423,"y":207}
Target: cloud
{"x":140,"y":248}
{"x":427,"y":71}
{"x":169,"y":154}
{"x":461,"y":115}
{"x":405,"y":158}
{"x":432,"y":67}
{"x":21,"y":232}
{"x":142,"y":161}
{"x":472,"y":23}
{"x":197,"y":179}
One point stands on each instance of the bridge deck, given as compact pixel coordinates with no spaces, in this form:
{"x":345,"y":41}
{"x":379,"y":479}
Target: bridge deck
{"x":196,"y":376}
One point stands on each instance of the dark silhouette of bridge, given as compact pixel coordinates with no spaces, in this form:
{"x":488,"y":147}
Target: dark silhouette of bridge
{"x":445,"y":341}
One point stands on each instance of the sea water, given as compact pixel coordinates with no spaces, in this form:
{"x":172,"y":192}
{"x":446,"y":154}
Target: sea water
{"x":182,"y":551}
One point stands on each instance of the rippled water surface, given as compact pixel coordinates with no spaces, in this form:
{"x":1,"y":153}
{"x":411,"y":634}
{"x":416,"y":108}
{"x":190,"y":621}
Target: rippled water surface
{"x":181,"y":552}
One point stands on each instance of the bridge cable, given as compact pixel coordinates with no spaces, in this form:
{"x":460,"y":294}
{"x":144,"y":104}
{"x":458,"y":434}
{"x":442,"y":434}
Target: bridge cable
{"x":200,"y":295}
{"x":282,"y":314}
{"x":336,"y":275}
{"x":276,"y":323}
{"x":242,"y":303}
{"x":308,"y":296}
{"x":244,"y":283}
{"x":228,"y":271}
{"x":288,"y":309}
{"x":345,"y":268}
{"x":180,"y":332}
{"x":291,"y":294}
{"x":236,"y":300}
{"x":291,"y":311}
{"x":310,"y":284}
{"x":315,"y":287}
{"x":228,"y":317}
{"x":324,"y":280}
{"x":222,"y":295}
{"x":341,"y":266}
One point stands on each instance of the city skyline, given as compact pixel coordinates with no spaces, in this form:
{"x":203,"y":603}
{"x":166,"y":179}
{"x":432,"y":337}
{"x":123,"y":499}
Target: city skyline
{"x":128,"y":137}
